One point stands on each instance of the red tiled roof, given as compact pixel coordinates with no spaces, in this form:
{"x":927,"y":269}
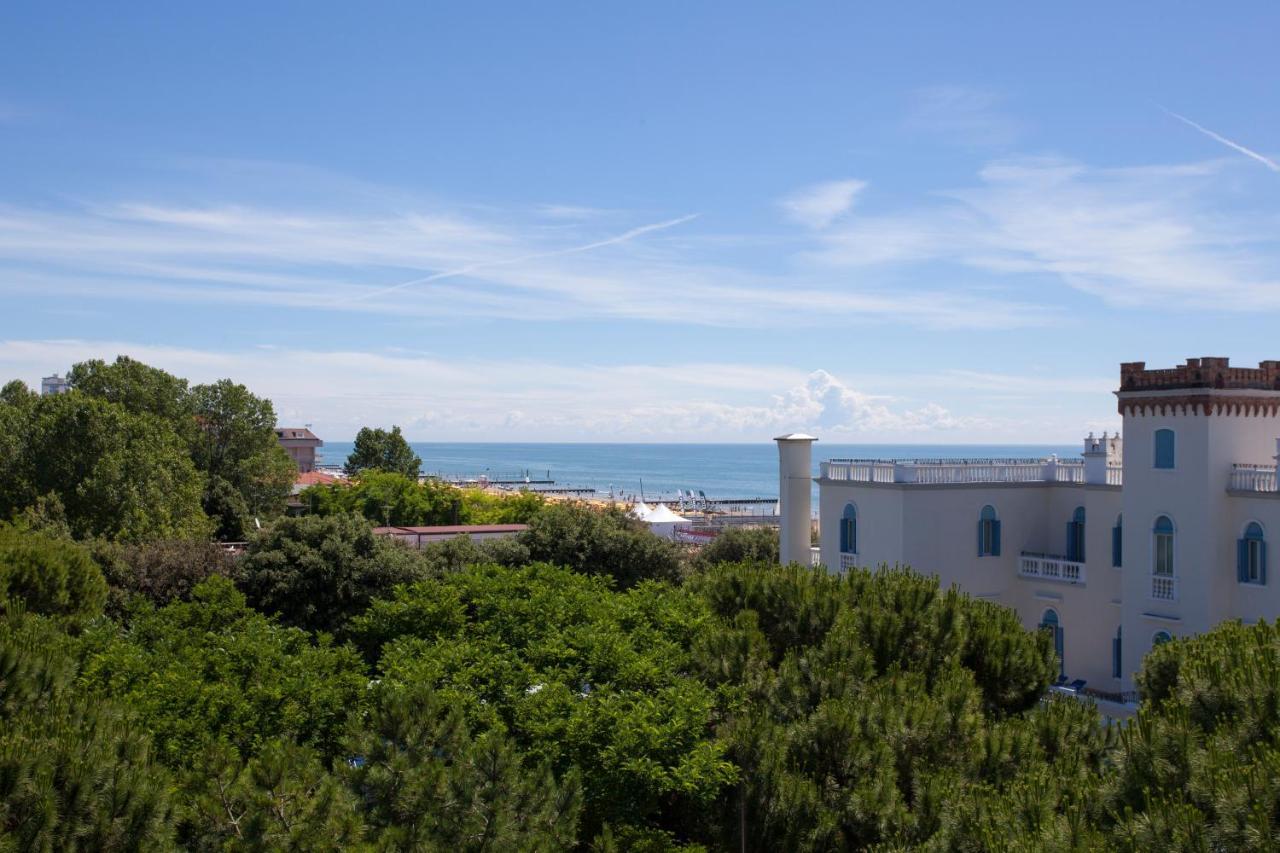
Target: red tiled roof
{"x":315,"y":478}
{"x":452,"y":529}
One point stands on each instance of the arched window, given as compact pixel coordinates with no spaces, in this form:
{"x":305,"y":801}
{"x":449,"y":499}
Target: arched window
{"x":1251,"y":555}
{"x":1117,"y":542}
{"x":1160,"y":638}
{"x":1163,"y":535}
{"x":1075,"y":536}
{"x":988,"y":532}
{"x":1164,"y":447}
{"x":849,"y":530}
{"x":1115,"y":653}
{"x":1049,"y":622}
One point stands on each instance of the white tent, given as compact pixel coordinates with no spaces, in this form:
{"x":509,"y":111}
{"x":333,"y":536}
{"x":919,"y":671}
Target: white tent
{"x":641,"y":511}
{"x":663,"y":521}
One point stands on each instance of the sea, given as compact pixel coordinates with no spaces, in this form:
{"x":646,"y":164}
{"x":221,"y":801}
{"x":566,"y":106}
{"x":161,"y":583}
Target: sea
{"x":658,"y":471}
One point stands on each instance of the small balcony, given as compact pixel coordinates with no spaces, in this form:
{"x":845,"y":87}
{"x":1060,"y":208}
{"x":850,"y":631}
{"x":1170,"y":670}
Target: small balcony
{"x":848,"y":561}
{"x":1252,"y":478}
{"x":1164,"y":588}
{"x":1050,"y":568}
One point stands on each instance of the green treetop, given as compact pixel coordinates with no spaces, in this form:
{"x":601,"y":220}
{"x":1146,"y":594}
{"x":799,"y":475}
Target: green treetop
{"x":384,"y":451}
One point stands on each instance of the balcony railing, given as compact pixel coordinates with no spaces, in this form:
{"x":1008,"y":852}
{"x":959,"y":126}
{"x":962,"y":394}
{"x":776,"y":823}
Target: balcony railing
{"x":1115,"y":475}
{"x":1050,"y":568}
{"x":948,"y":471}
{"x":1164,"y":587}
{"x":1252,"y":478}
{"x":848,"y":561}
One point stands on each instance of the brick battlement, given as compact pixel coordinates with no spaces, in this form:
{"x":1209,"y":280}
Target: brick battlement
{"x":1200,"y":373}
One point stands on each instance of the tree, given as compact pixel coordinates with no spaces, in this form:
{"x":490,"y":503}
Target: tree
{"x":385,"y":497}
{"x":75,"y":771}
{"x":384,"y":451}
{"x":316,"y":573}
{"x":250,"y":474}
{"x":282,"y":798}
{"x":584,"y":679}
{"x":600,"y":541}
{"x":213,"y":671}
{"x":49,"y":576}
{"x":116,"y":474}
{"x":740,"y":545}
{"x":138,"y":387}
{"x":430,"y":785}
{"x":163,"y":571}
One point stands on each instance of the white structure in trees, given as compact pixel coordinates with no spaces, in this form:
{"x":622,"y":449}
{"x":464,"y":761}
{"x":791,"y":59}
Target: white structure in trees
{"x":1154,"y":533}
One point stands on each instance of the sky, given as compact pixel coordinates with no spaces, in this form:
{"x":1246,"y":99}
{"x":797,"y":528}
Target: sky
{"x":692,"y":221}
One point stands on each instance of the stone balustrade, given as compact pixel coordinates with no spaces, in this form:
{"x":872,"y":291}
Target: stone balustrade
{"x":1050,"y":568}
{"x":1252,"y":478}
{"x":954,"y":471}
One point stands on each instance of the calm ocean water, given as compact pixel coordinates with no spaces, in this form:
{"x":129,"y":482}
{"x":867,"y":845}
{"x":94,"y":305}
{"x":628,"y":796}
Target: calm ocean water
{"x":719,"y":470}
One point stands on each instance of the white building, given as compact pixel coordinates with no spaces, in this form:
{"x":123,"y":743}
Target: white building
{"x":1154,"y":533}
{"x":54,"y":384}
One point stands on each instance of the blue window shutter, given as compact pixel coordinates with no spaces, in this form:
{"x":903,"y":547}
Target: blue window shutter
{"x":1116,"y":544}
{"x":1262,"y":562}
{"x":995,"y":538}
{"x":1242,"y":560}
{"x":1115,"y":657}
{"x":980,"y":532}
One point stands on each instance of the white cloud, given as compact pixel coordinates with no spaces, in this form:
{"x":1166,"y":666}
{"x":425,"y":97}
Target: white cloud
{"x":819,"y":205}
{"x":1143,"y":236}
{"x":433,"y":398}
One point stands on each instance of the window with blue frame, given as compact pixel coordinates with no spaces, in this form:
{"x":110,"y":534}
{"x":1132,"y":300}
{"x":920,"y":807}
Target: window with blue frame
{"x":1117,"y":542}
{"x":1164,"y":442}
{"x":988,"y":532}
{"x":1162,"y":533}
{"x":1251,"y":555}
{"x":849,"y":530}
{"x":1075,"y":536}
{"x":1115,"y":653}
{"x":1160,"y":638}
{"x":1049,"y":622}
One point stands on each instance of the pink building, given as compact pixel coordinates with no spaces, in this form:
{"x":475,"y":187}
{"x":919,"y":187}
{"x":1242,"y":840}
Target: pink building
{"x":301,"y":444}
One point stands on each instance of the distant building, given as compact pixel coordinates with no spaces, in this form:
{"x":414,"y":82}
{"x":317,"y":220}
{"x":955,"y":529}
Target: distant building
{"x":1156,"y":533}
{"x":54,"y":384}
{"x":419,"y":536}
{"x":301,"y":443}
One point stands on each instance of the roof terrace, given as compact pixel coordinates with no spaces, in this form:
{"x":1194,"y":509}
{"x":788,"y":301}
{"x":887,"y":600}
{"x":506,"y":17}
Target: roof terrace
{"x":955,"y":471}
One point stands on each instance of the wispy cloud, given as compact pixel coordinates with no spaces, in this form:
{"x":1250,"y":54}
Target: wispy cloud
{"x":1142,"y":236}
{"x":818,"y":205}
{"x":967,"y":115}
{"x":340,"y":391}
{"x":472,"y":269}
{"x":1235,"y":146}
{"x":487,"y":263}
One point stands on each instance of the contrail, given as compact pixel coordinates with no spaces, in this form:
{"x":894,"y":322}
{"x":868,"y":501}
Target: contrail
{"x":573,"y":250}
{"x":1266,"y":161}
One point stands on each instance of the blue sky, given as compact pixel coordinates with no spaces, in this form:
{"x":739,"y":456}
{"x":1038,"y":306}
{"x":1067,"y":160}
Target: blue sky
{"x":669,"y":221}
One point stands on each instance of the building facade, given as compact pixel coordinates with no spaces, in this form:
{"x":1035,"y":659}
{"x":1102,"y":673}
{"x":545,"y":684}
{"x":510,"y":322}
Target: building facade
{"x":54,"y":384}
{"x":301,"y":444}
{"x":1159,"y":531}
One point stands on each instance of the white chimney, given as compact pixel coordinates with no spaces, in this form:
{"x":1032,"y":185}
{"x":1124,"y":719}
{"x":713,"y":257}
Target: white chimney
{"x":795,"y":490}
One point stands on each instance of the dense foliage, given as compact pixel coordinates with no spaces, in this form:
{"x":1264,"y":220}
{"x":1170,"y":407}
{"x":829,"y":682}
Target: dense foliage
{"x":382,"y":450}
{"x":134,"y":454}
{"x":387,"y":498}
{"x":317,"y":572}
{"x":584,"y":685}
